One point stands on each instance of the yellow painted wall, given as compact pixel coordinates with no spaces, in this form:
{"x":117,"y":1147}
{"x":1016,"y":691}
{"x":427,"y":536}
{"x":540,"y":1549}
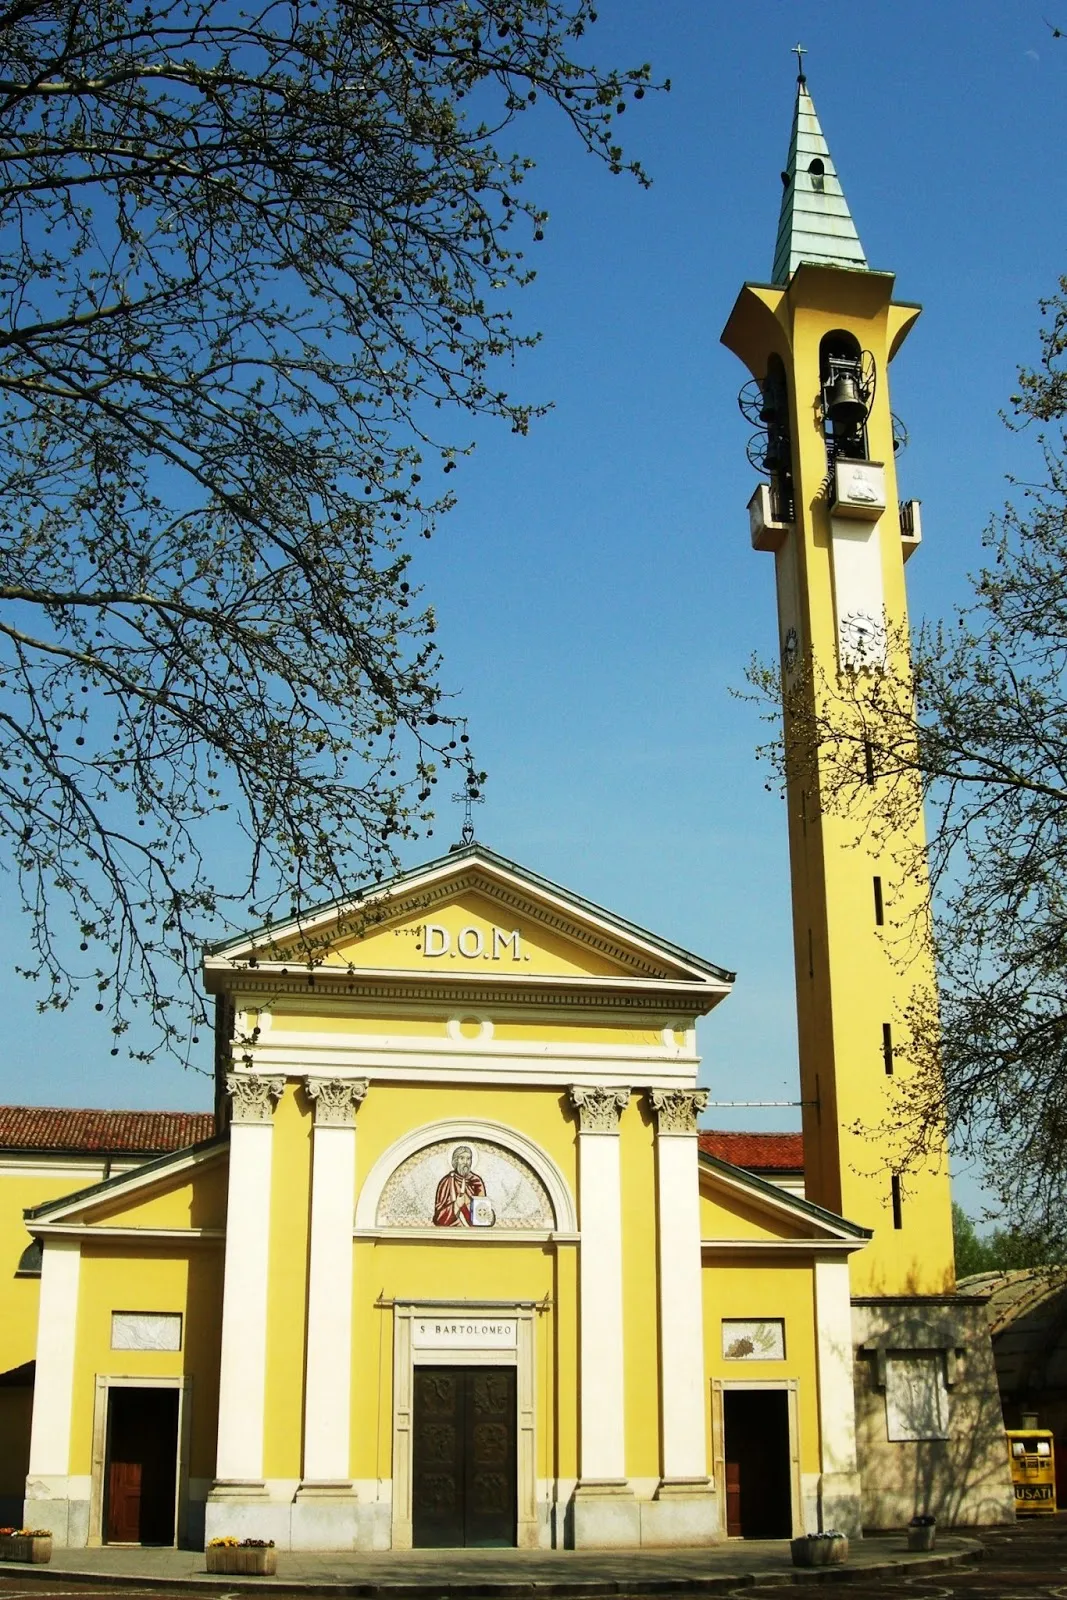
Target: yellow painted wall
{"x":411,"y":1269}
{"x":150,"y":1276}
{"x":23,"y":1185}
{"x":638,"y":1032}
{"x":20,"y":1189}
{"x":193,"y":1199}
{"x":392,"y":1110}
{"x":727,"y":1215}
{"x":452,"y":1268}
{"x":751,"y":1287}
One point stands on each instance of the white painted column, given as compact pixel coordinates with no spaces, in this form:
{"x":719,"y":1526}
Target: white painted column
{"x":839,"y":1481}
{"x":681,"y":1305}
{"x":604,"y":1510}
{"x":243,"y":1365}
{"x":685,"y":1509}
{"x":47,"y":1484}
{"x":328,"y":1383}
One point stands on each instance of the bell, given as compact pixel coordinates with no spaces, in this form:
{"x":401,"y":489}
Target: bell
{"x":844,"y":404}
{"x":769,"y":404}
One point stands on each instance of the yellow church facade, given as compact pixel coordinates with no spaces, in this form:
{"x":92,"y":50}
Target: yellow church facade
{"x":455,"y":1271}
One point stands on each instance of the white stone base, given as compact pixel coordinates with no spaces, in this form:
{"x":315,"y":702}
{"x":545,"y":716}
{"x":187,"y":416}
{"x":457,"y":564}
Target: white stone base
{"x":682,"y":1513}
{"x":606,"y":1516}
{"x":809,"y":1502}
{"x":324,"y":1516}
{"x":308,"y":1516}
{"x":841,"y":1503}
{"x":245,"y":1511}
{"x":62,"y":1506}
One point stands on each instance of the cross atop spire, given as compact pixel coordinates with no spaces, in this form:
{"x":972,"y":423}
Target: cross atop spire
{"x":800,"y":51}
{"x":815,"y":224}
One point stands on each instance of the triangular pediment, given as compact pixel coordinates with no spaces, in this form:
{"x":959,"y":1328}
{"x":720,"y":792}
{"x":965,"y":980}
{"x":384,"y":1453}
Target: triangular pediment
{"x":472,"y":915}
{"x":184,"y":1191}
{"x":739,"y":1208}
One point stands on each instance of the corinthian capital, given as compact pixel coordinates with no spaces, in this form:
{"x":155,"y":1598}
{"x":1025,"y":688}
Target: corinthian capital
{"x":252,"y":1098}
{"x":598,"y":1108}
{"x":677,"y":1109}
{"x":336,"y":1100}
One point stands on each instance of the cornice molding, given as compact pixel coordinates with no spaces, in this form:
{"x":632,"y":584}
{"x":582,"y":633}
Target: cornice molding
{"x":682,"y":996}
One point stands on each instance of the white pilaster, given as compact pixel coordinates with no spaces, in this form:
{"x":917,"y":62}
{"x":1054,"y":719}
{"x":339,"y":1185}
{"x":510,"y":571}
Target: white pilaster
{"x":839,"y":1482}
{"x":327,"y":1392}
{"x":604,"y":1510}
{"x":685,"y":1511}
{"x":681,"y":1350}
{"x":47,"y":1484}
{"x":243,"y":1364}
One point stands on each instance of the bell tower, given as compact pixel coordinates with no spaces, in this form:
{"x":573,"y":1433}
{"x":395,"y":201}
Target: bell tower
{"x":818,"y":341}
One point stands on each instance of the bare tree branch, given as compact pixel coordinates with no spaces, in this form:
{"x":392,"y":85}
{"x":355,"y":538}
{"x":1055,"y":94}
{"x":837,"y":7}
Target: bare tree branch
{"x":251,"y":259}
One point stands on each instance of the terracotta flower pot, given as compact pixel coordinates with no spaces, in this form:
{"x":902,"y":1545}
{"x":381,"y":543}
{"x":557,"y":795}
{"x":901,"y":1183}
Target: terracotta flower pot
{"x":819,"y":1550}
{"x":254,"y":1561}
{"x":34,"y":1547}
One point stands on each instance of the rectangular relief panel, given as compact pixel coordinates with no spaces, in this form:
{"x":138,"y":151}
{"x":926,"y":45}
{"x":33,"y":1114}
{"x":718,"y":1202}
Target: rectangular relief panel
{"x":146,"y":1330}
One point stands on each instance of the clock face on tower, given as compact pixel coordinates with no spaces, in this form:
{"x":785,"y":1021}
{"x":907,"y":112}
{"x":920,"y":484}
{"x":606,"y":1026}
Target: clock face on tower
{"x":861,"y":637}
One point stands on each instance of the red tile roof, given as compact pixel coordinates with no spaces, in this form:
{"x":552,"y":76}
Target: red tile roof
{"x":759,"y":1152}
{"x":76,"y":1132}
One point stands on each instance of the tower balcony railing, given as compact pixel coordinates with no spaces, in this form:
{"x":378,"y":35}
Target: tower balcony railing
{"x":783,"y":506}
{"x":911,"y":526}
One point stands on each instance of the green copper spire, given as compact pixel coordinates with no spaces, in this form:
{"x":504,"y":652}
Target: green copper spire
{"x":815,"y":224}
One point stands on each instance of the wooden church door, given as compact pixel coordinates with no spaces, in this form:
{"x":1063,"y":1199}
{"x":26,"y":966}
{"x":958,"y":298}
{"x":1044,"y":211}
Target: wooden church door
{"x":464,"y":1487}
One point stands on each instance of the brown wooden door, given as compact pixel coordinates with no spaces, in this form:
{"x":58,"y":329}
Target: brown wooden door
{"x":733,"y":1497}
{"x":464,"y":1474}
{"x":124,"y":1502}
{"x":142,"y":1450}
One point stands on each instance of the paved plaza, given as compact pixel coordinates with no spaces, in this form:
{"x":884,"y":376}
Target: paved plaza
{"x":480,"y":1574}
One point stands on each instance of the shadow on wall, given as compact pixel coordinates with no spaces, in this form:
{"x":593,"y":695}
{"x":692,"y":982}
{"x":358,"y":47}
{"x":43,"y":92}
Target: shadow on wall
{"x":930,"y":1430}
{"x":16,"y":1410}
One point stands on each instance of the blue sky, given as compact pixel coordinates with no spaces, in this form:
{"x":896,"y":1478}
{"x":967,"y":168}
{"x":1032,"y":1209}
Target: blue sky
{"x":597,"y":594}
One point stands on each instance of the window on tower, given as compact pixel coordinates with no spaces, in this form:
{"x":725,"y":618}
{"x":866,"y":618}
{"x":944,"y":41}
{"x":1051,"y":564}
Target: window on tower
{"x":846,"y":379}
{"x":778,"y":460}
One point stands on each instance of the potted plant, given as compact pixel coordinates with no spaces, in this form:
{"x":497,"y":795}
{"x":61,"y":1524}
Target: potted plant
{"x":922,"y":1532}
{"x":251,"y":1557}
{"x":827,"y":1549}
{"x":25,"y":1544}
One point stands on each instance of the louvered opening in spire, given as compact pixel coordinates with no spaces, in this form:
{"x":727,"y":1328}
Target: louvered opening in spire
{"x":816,"y":224}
